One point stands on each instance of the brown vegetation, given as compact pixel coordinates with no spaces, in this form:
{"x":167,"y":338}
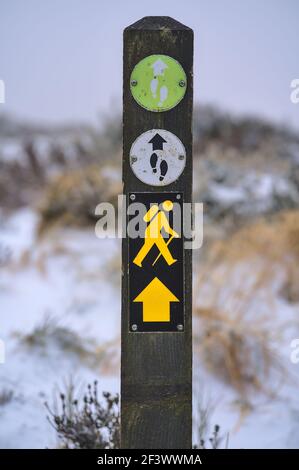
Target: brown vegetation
{"x":239,"y":283}
{"x":71,"y":198}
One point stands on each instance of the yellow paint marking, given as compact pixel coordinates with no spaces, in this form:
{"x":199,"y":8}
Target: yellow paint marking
{"x":156,"y":298}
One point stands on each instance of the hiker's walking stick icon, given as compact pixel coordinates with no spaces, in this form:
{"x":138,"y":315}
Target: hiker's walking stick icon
{"x":171,"y":238}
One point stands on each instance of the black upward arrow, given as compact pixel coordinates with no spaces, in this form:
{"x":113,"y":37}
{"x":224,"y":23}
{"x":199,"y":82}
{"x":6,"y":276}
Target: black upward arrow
{"x":157,"y":142}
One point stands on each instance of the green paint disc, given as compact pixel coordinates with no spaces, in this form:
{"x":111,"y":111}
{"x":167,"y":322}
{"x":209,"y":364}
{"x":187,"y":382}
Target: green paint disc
{"x":158,"y":83}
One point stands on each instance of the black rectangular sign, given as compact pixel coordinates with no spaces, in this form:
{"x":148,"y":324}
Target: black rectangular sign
{"x":156,"y":262}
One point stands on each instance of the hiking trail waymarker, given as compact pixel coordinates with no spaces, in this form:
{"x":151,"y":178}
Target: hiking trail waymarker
{"x":158,"y":82}
{"x":157,"y":157}
{"x":156,"y":266}
{"x":156,"y":344}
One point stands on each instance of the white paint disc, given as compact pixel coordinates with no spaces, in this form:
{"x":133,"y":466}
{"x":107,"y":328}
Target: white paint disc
{"x":157,"y":157}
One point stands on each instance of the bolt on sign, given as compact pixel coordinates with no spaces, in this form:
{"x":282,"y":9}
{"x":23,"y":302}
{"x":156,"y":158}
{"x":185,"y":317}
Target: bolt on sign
{"x":158,"y":83}
{"x":157,"y":265}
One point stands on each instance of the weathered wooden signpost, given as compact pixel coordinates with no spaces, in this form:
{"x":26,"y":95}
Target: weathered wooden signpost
{"x":156,"y":357}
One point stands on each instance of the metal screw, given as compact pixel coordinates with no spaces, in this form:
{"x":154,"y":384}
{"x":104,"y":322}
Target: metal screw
{"x":133,"y":82}
{"x":178,"y":196}
{"x":132,"y":197}
{"x":134,"y":327}
{"x":180,"y":327}
{"x":133,"y":159}
{"x":181,"y":157}
{"x":182,"y":83}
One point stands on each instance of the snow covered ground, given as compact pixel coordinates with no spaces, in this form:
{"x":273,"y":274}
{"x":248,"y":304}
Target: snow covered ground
{"x":70,"y":281}
{"x":63,"y":281}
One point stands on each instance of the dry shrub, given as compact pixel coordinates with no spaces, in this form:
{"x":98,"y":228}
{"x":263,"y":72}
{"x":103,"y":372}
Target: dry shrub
{"x":239,"y":352}
{"x":71,"y":198}
{"x":50,"y":333}
{"x":89,"y":423}
{"x":49,"y":336}
{"x":239,"y":284}
{"x":92,"y":421}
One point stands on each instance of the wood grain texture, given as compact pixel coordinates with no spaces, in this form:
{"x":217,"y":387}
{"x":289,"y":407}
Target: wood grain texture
{"x":156,"y":368}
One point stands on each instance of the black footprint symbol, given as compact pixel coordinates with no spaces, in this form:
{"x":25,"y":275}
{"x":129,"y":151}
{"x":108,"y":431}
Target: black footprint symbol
{"x":153,"y":162}
{"x":163,"y":169}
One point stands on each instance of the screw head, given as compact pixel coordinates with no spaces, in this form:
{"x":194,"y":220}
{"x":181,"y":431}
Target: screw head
{"x":178,"y":196}
{"x":180,"y":327}
{"x":132,"y":197}
{"x":134,"y":327}
{"x":133,"y":159}
{"x":182,"y":83}
{"x":181,"y":157}
{"x":133,"y":82}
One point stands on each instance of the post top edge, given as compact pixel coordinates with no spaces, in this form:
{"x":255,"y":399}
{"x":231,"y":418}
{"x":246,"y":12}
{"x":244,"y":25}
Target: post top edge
{"x":157,"y":23}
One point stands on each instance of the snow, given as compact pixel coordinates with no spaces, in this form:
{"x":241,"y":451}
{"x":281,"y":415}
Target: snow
{"x":73,"y":290}
{"x":11,"y":150}
{"x":72,"y":277}
{"x":270,"y":423}
{"x":227,"y":195}
{"x":249,"y":192}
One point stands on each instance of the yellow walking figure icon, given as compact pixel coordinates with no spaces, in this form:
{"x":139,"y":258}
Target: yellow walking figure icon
{"x":157,"y":221}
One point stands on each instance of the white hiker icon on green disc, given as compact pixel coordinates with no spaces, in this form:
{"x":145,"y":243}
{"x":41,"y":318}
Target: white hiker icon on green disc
{"x":158,"y":83}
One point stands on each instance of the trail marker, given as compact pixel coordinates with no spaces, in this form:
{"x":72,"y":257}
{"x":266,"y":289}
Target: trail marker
{"x":158,"y":82}
{"x":157,"y":157}
{"x":156,"y":345}
{"x":156,"y":298}
{"x":156,"y":266}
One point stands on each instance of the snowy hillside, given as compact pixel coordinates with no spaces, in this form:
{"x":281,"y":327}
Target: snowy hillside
{"x":60,"y":285}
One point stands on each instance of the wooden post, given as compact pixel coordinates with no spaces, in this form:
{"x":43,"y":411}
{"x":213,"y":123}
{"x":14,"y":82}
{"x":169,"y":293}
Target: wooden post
{"x":156,"y":366}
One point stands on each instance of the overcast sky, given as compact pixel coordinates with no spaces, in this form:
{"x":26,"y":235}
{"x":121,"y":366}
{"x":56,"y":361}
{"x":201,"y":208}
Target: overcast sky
{"x":62,"y":59}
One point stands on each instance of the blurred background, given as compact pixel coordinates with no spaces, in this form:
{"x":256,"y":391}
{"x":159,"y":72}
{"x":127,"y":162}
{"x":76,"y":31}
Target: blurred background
{"x":60,"y":155}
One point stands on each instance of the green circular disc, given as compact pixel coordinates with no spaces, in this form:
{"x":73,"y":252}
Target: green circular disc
{"x":158,"y":83}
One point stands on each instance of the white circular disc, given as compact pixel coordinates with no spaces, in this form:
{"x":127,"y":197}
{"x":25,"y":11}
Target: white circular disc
{"x":157,"y":157}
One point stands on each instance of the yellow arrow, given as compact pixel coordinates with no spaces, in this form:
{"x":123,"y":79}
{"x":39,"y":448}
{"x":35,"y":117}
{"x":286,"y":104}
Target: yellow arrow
{"x":156,"y":298}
